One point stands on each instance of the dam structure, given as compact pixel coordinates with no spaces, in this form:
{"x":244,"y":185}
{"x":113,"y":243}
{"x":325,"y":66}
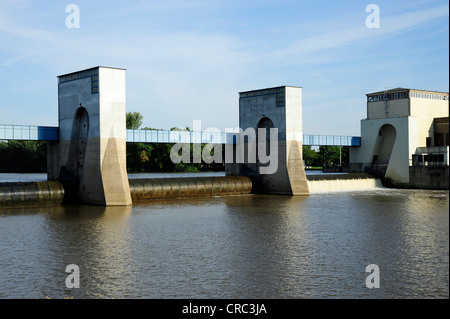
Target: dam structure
{"x":89,"y":158}
{"x":86,"y":153}
{"x":275,"y":114}
{"x":405,"y":138}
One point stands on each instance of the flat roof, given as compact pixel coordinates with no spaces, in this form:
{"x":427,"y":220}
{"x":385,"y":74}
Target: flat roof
{"x":95,"y":67}
{"x":275,"y":87}
{"x":404,"y":89}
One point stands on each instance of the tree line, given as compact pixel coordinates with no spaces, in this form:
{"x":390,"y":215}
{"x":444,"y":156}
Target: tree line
{"x":31,"y":156}
{"x":326,"y":156}
{"x":23,"y":157}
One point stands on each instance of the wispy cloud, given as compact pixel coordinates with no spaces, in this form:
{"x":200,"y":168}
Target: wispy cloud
{"x":192,"y":69}
{"x":343,"y":37}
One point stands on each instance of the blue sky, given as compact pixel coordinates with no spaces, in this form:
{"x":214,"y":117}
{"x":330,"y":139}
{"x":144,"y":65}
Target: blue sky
{"x":187,"y":60}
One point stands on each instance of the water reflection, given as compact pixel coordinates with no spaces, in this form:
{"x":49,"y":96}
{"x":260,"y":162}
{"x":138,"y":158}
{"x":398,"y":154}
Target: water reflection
{"x":46,"y":240}
{"x":245,"y":246}
{"x":267,"y":247}
{"x":97,"y":239}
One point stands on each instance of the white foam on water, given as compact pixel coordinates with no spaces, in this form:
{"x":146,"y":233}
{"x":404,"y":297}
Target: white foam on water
{"x":343,"y":185}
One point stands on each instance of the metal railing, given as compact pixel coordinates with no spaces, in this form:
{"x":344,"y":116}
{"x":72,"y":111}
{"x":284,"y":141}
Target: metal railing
{"x":331,"y":140}
{"x":162,"y":136}
{"x":28,"y":132}
{"x":51,"y":133}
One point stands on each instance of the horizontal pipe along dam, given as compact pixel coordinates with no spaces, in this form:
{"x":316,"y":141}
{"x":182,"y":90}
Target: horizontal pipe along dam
{"x":143,"y":189}
{"x":31,"y":193}
{"x":52,"y":192}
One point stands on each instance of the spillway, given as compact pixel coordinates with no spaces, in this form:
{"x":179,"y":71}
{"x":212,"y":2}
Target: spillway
{"x":342,"y":182}
{"x":156,"y":188}
{"x":31,"y":193}
{"x":52,"y":192}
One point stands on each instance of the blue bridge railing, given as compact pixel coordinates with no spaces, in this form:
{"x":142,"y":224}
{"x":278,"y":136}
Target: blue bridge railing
{"x":161,"y":136}
{"x":331,"y":140}
{"x":28,"y":132}
{"x":50,"y":133}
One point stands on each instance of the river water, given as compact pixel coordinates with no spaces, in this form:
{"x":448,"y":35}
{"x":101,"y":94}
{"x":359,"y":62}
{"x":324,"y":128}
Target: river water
{"x":246,"y":246}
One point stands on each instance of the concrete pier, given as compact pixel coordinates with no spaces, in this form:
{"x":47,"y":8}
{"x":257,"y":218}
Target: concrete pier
{"x":90,"y":157}
{"x":273,"y":157}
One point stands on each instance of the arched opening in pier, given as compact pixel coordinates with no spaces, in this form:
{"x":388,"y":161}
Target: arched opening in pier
{"x":78,"y":142}
{"x":72,"y":173}
{"x":383,"y":147}
{"x":263,"y":149}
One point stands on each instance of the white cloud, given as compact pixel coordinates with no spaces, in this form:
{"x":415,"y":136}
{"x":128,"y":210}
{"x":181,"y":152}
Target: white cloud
{"x":343,"y":37}
{"x":177,"y":75}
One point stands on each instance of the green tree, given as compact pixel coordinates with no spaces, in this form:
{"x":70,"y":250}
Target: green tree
{"x":152,"y":129}
{"x":155,"y":157}
{"x":311,"y":157}
{"x":134,"y":120}
{"x":139,"y":157}
{"x":180,"y":129}
{"x":23,"y":157}
{"x":333,"y":155}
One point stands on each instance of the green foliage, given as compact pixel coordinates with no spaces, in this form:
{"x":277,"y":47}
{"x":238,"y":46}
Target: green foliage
{"x":180,"y":129}
{"x":334,"y":155}
{"x":155,"y":157}
{"x":134,"y":120}
{"x":326,"y":156}
{"x":311,"y":157}
{"x":23,"y":157}
{"x":152,"y":129}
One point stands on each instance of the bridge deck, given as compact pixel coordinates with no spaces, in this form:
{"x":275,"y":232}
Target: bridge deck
{"x":50,"y":133}
{"x":28,"y":132}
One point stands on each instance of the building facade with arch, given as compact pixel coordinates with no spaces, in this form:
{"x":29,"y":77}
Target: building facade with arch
{"x":401,"y":123}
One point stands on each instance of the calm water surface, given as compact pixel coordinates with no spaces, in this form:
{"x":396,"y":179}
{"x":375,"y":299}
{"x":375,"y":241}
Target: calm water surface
{"x":246,"y":246}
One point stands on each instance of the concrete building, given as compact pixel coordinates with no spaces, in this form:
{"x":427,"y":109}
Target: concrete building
{"x":90,"y":157}
{"x":400,"y":123}
{"x":278,"y":110}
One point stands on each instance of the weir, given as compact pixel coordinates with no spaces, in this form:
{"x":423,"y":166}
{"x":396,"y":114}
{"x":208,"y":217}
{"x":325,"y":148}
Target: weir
{"x":342,"y":182}
{"x":89,"y":158}
{"x":160,"y":188}
{"x":53,"y":193}
{"x":31,"y":193}
{"x":87,"y":164}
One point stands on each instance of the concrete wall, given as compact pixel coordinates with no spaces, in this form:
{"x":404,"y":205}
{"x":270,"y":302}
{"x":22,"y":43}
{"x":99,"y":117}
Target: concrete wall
{"x":404,"y":146}
{"x":427,"y":177}
{"x":390,"y":108}
{"x":99,"y":174}
{"x":283,"y":106}
{"x":294,"y":141}
{"x":113,"y":136}
{"x":426,"y":110}
{"x":412,"y":119}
